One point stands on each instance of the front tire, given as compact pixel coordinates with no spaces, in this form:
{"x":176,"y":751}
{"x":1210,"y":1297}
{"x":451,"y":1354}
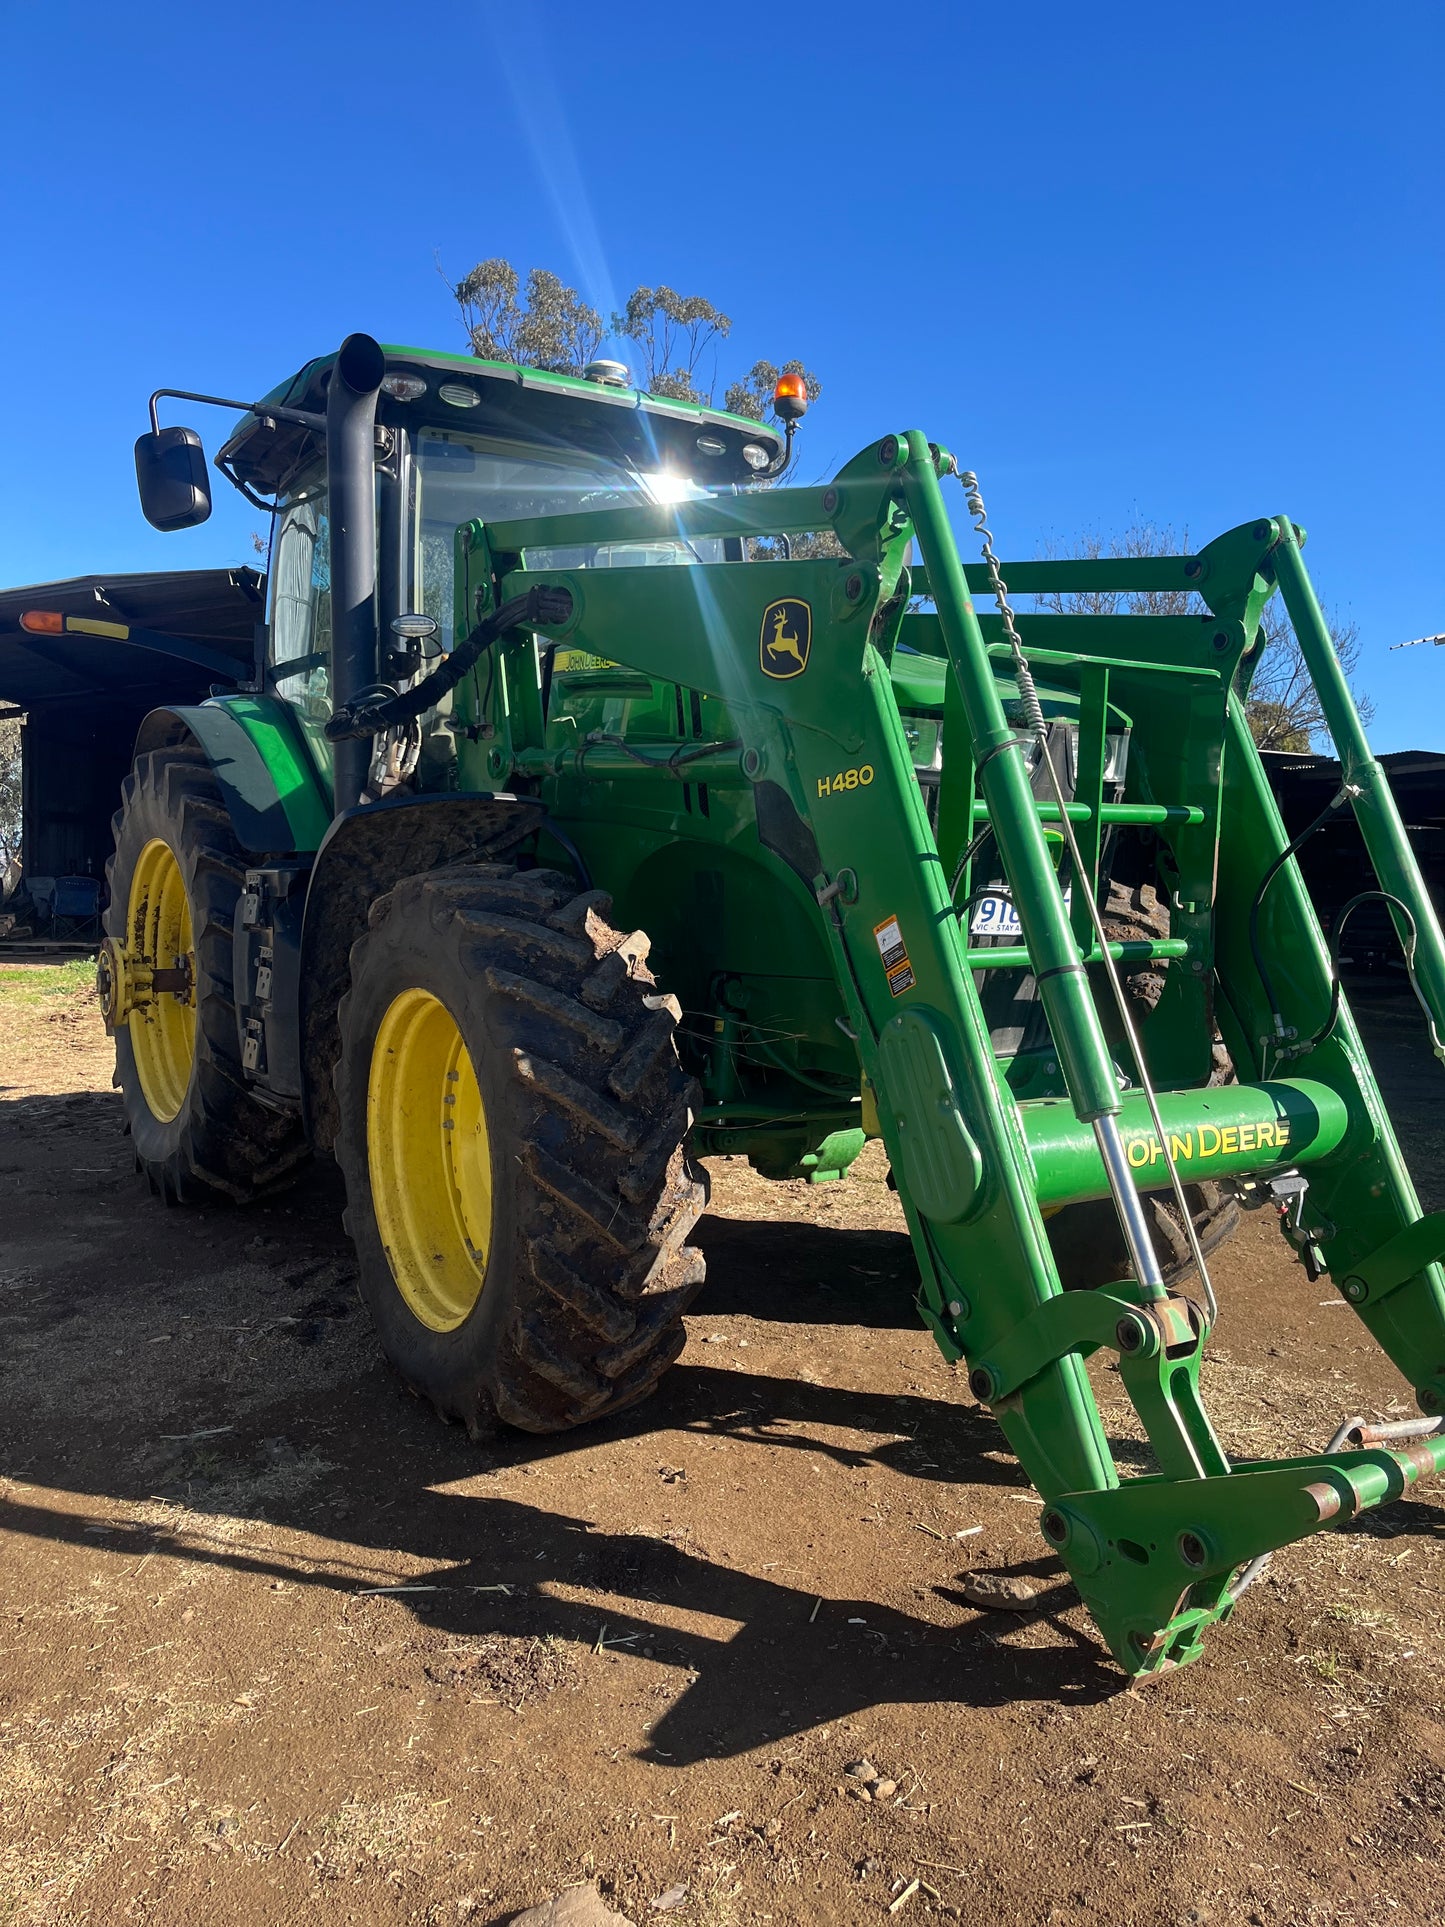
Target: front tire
{"x":512,"y":1118}
{"x":175,"y":880}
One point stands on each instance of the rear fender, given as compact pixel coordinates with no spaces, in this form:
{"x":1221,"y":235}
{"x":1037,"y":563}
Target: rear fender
{"x":273,"y":792}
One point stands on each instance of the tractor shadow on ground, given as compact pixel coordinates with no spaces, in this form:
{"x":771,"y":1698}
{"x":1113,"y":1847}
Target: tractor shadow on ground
{"x":808,"y":1273}
{"x":292,"y":1379}
{"x":756,"y":1659}
{"x":773,"y":1662}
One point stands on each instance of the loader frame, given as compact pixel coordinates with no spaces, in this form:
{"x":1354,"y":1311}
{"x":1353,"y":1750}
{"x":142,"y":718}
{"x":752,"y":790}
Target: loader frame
{"x":798,"y":654}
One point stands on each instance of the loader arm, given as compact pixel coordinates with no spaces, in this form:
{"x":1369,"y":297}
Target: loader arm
{"x":799,"y":653}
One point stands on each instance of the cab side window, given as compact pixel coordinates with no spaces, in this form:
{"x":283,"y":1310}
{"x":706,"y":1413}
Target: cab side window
{"x":300,"y":652}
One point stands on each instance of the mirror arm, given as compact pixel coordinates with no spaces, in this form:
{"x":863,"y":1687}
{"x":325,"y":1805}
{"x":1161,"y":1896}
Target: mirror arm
{"x":300,"y":416}
{"x":244,"y":488}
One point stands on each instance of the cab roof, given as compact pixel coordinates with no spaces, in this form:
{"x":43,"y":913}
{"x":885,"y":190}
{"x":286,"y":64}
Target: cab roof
{"x":564,"y":413}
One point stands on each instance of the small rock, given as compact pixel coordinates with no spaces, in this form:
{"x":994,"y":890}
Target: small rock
{"x":861,"y":1770}
{"x":867,"y":1867}
{"x":997,"y":1594}
{"x":577,"y":1907}
{"x":861,"y":1792}
{"x":884,"y":1789}
{"x":772,"y":1828}
{"x":665,"y":1902}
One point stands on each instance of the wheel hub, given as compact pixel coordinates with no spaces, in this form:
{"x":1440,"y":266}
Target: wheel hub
{"x":125,"y":982}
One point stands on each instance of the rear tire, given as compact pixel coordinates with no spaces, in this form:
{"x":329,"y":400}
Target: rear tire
{"x":555,"y":1291}
{"x":218,"y":1142}
{"x":1089,"y":1248}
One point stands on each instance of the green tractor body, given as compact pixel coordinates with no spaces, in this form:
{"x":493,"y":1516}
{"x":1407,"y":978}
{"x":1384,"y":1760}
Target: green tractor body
{"x":546,"y":669}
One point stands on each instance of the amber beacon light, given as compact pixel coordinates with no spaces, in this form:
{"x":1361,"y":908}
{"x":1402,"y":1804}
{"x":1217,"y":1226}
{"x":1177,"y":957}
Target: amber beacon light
{"x":790,"y":398}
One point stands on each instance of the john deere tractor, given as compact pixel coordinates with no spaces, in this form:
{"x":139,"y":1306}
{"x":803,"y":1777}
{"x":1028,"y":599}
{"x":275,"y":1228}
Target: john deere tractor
{"x":603,"y":801}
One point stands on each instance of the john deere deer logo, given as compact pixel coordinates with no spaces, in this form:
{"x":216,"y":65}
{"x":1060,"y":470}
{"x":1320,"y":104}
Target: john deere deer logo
{"x":786,"y":638}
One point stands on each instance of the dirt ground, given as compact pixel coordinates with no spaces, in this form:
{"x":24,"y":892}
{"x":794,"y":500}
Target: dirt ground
{"x":277,"y":1646}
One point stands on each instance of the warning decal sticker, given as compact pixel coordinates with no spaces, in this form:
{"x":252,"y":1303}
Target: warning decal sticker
{"x":894,"y":952}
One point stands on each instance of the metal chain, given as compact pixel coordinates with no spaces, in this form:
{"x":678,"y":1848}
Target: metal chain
{"x":1033,"y":708}
{"x":1034,"y":711}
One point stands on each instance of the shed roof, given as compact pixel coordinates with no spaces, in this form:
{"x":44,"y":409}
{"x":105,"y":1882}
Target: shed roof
{"x":185,"y":629}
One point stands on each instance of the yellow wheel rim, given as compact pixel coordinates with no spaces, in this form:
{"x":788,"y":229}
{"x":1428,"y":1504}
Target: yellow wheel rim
{"x":429,"y":1160}
{"x":159,"y":936}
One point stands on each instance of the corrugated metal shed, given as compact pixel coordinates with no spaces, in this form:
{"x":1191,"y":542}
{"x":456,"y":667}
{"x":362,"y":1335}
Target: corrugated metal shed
{"x":84,"y":695}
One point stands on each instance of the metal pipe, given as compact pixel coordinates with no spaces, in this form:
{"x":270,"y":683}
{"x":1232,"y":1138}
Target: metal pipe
{"x":1015,"y":956}
{"x":1220,"y":1132}
{"x":1130,"y":1207}
{"x":719,"y":768}
{"x":1004,"y":778}
{"x":1359,"y":1432}
{"x":1132,"y":813}
{"x":351,"y":482}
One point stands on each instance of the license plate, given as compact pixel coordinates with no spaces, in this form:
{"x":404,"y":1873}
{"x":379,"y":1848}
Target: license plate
{"x":997,"y":917}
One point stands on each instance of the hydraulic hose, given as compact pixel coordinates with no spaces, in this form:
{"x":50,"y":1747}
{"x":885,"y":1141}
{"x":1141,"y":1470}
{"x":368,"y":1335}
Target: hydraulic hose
{"x":1296,"y":844}
{"x":375,"y":713}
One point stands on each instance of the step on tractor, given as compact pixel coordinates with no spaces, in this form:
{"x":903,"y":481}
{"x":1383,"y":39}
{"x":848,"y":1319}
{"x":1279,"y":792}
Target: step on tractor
{"x":604,"y":800}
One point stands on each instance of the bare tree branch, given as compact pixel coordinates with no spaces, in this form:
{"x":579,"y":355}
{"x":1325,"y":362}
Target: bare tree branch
{"x":672,"y":331}
{"x":1283,"y":707}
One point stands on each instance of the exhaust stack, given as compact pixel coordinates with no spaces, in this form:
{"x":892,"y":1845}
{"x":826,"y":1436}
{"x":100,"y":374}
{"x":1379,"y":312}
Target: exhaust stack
{"x":351,"y":465}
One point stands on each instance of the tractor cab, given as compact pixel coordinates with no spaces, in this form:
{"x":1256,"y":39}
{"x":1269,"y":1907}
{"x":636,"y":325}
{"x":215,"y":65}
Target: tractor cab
{"x":457,"y":441}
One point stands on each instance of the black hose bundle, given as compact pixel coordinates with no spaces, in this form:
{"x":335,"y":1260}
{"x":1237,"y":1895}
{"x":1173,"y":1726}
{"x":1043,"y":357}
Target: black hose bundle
{"x":375,"y":711}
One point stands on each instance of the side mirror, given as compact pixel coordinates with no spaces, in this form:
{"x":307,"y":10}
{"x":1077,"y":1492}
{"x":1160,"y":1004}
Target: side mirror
{"x":170,"y":472}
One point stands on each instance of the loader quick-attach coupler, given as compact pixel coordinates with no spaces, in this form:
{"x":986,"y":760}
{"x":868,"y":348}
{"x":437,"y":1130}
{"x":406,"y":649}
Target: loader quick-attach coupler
{"x":1154,"y":1558}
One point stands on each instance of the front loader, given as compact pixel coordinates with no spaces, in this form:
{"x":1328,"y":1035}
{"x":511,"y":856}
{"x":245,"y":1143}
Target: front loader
{"x":546,"y":668}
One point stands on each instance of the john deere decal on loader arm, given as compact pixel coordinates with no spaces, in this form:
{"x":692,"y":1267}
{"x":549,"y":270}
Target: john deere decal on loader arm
{"x":877,"y":840}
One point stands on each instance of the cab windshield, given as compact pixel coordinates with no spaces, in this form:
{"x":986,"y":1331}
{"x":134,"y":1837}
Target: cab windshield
{"x":461,"y":480}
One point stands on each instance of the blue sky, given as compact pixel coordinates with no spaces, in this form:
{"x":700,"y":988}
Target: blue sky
{"x":1128,"y":260}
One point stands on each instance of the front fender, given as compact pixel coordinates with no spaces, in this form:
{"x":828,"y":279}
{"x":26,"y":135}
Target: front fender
{"x":273,"y":791}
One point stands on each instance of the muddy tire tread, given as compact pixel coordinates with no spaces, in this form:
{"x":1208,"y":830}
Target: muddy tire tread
{"x":598,"y":1272}
{"x":224,"y":1145}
